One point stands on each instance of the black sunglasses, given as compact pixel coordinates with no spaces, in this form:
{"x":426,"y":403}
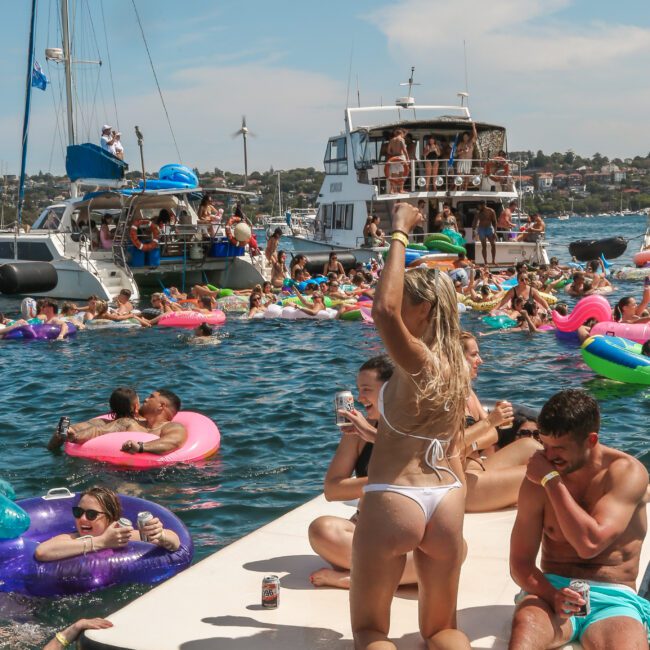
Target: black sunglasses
{"x":91,"y":514}
{"x":528,"y":432}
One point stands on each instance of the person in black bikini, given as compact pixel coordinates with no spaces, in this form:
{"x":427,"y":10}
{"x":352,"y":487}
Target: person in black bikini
{"x":333,"y":266}
{"x":522,"y":290}
{"x":331,"y":537}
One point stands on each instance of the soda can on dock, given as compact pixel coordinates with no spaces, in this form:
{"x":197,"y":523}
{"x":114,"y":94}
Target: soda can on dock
{"x":581,"y":587}
{"x":343,"y":400}
{"x":143,"y":518}
{"x":270,"y":592}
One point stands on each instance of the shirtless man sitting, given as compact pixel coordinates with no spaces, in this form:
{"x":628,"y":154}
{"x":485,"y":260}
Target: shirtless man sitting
{"x":485,"y":225}
{"x":157,"y":411}
{"x":585,"y":503}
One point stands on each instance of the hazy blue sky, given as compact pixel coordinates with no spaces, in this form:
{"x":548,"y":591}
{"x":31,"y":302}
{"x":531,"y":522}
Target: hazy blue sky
{"x":558,"y":74}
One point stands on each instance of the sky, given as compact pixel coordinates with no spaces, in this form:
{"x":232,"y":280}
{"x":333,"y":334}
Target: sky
{"x":558,"y":74}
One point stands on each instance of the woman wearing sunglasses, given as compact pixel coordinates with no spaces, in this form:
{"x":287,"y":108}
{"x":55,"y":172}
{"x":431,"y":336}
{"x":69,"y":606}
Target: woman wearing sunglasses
{"x":96,"y":519}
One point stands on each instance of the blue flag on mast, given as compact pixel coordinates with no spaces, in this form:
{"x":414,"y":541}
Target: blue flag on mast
{"x":452,"y":155}
{"x":39,"y":80}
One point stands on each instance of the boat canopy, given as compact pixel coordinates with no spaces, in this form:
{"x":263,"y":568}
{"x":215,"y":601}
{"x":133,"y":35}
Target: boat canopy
{"x":88,"y":160}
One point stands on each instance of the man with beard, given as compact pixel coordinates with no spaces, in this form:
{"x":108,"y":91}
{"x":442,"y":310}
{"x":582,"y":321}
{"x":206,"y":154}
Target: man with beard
{"x":157,"y":412}
{"x":585,"y":503}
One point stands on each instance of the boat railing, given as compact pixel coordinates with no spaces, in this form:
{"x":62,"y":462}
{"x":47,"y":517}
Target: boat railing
{"x":397,"y":176}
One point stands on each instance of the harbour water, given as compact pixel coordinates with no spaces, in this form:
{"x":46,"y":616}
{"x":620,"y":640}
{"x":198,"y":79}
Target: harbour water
{"x":269,"y":386}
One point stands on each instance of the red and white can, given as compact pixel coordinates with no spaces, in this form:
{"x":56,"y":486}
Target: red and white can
{"x":343,"y":400}
{"x":270,"y":592}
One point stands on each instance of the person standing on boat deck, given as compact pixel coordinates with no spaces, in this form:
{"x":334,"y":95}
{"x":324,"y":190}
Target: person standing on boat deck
{"x":504,"y":222}
{"x":414,"y":499}
{"x":485,"y":225}
{"x":272,"y":246}
{"x":464,"y":153}
{"x":117,"y":146}
{"x":279,"y":270}
{"x":107,"y":140}
{"x":432,"y":154}
{"x":397,"y":149}
{"x":585,"y":503}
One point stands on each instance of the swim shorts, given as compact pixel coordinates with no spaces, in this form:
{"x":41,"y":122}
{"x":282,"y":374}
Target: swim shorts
{"x":607,"y":600}
{"x":485,"y":233}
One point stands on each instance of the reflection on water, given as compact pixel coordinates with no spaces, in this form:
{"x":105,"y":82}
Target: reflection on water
{"x":269,"y":386}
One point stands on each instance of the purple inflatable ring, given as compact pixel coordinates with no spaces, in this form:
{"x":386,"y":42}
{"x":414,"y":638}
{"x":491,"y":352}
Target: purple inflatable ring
{"x":138,"y":562}
{"x":42,"y":332}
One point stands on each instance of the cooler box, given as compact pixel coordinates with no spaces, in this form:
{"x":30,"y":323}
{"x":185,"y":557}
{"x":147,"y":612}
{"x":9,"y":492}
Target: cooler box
{"x":137,"y":256}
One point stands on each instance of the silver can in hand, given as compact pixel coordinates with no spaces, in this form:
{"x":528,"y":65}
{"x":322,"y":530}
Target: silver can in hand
{"x":581,"y":587}
{"x":343,"y":400}
{"x":143,"y":518}
{"x":123,"y":522}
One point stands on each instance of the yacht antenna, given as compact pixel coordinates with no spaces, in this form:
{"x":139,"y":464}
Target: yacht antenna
{"x":465,"y":62}
{"x":410,"y":83}
{"x":347,"y":95}
{"x":358,"y":93}
{"x":408,"y":101}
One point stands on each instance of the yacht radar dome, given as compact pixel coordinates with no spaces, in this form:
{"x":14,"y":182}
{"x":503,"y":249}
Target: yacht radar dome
{"x":54,"y":54}
{"x":463,"y":96}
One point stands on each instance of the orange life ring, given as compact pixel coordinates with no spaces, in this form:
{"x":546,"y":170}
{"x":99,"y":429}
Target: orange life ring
{"x":155,"y":232}
{"x":406,"y":167}
{"x":229,"y":232}
{"x":497,"y":169}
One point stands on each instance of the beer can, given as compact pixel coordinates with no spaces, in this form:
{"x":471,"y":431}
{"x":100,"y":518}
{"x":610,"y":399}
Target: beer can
{"x":64,"y":425}
{"x":124,"y":522}
{"x":343,"y":400}
{"x":270,"y":592}
{"x":143,"y":518}
{"x":581,"y":587}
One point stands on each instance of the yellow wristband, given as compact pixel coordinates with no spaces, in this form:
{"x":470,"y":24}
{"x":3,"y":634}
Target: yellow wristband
{"x":400,"y":237}
{"x":549,"y":477}
{"x":62,"y":640}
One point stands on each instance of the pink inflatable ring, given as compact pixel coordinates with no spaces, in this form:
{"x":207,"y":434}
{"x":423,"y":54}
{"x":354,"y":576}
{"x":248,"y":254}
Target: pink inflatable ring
{"x":191,"y":318}
{"x":203,"y":439}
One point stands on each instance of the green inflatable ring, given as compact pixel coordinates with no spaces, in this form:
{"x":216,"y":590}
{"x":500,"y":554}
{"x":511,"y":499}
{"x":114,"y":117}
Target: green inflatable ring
{"x":501,"y":322}
{"x":417,"y":247}
{"x":437,"y":236}
{"x":294,"y":300}
{"x":353,"y":314}
{"x":445,"y":247}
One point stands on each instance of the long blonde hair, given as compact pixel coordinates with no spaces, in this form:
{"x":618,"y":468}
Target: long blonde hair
{"x":444,"y":380}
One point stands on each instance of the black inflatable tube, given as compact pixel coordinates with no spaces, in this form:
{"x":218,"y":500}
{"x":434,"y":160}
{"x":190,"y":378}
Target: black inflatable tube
{"x":586,"y":250}
{"x":316,"y":261}
{"x":27,"y":277}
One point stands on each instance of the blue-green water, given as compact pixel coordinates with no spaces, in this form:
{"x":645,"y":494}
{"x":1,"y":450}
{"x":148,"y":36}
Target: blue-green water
{"x":269,"y":386}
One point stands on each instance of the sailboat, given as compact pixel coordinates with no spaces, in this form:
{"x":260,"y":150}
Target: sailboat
{"x":63,"y":233}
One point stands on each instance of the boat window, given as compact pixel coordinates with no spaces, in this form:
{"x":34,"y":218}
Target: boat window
{"x":6,"y":250}
{"x":50,"y":219}
{"x":34,"y":251}
{"x":361,"y":152}
{"x":349,"y":211}
{"x":343,"y":216}
{"x":327,"y":215}
{"x":336,"y":161}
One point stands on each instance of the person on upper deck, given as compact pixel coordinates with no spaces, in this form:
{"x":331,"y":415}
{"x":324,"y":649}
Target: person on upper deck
{"x":397,"y":149}
{"x":107,"y":139}
{"x":585,"y":503}
{"x":432,"y":154}
{"x":464,"y":155}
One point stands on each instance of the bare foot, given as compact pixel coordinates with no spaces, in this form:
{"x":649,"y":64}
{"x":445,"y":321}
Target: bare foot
{"x":330,"y":578}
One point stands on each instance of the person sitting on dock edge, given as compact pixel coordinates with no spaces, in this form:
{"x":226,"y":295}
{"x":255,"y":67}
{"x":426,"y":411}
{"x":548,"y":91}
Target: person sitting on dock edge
{"x":585,"y":503}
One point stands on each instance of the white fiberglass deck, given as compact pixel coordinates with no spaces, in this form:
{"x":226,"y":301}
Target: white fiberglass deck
{"x":216,"y":603}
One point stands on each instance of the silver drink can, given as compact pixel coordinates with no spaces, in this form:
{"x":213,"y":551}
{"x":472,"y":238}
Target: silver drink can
{"x":64,"y":425}
{"x":270,"y":592}
{"x":581,"y":587}
{"x":124,"y":522}
{"x":143,"y":518}
{"x":343,"y":400}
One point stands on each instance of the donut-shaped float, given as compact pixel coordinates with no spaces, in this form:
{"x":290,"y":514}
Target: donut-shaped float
{"x":137,"y":562}
{"x":617,"y":358}
{"x":203,"y":440}
{"x":191,"y":318}
{"x":637,"y":332}
{"x":40,"y":332}
{"x":642,"y":258}
{"x":292,"y":313}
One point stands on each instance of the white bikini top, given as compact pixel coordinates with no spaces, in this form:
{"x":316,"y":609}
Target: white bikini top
{"x":436,"y":449}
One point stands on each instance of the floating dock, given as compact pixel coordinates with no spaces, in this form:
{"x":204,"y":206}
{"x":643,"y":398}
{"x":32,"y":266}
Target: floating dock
{"x":215,"y":604}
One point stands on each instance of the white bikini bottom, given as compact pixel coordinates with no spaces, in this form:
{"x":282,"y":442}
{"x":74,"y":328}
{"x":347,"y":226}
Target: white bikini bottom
{"x":428,"y":498}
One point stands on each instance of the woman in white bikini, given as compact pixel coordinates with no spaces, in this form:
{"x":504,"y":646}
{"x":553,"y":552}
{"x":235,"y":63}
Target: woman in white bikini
{"x":414,"y":499}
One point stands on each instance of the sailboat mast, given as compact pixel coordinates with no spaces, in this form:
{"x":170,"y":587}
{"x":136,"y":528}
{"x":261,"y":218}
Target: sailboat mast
{"x":279,"y":195}
{"x":28,"y":102}
{"x":67,"y":62}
